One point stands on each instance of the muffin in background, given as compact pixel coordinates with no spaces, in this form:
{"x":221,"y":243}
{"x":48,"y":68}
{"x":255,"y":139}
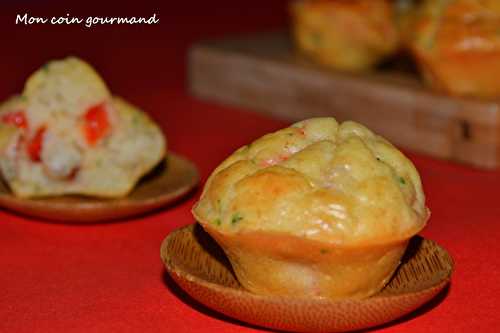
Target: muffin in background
{"x":352,"y":35}
{"x":457,"y":46}
{"x":316,"y":209}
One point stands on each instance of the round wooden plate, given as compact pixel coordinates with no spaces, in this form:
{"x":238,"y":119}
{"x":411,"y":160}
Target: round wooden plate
{"x":169,"y":181}
{"x":200,"y":267}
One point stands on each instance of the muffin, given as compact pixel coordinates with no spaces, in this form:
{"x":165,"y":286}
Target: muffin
{"x":66,"y":134}
{"x":316,"y":209}
{"x":457,"y":46}
{"x":352,"y":35}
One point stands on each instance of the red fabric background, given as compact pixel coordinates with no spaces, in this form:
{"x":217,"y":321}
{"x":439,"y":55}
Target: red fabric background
{"x":109,"y":277}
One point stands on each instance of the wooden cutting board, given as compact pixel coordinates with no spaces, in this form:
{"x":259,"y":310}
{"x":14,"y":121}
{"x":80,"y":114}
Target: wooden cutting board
{"x":264,"y":73}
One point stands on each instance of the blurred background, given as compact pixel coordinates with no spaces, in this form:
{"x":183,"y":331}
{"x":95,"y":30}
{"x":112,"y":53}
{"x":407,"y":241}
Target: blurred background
{"x":148,"y":64}
{"x":145,"y":52}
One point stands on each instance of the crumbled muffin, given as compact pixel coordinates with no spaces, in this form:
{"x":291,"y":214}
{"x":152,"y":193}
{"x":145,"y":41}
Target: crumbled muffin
{"x":66,"y":134}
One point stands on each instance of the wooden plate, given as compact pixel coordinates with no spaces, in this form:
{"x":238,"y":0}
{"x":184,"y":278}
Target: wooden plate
{"x":200,"y":267}
{"x":168,"y":182}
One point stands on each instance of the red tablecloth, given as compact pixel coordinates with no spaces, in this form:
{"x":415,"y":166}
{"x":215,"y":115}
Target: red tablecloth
{"x":109,"y":277}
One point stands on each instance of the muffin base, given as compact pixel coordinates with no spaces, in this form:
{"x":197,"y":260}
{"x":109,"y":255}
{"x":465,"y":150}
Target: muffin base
{"x":277,"y":264}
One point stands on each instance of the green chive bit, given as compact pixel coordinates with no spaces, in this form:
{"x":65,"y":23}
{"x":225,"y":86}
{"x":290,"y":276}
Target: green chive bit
{"x":323,"y":251}
{"x":236,"y":218}
{"x":217,"y":222}
{"x":136,"y":119}
{"x":402,"y":180}
{"x":45,"y":67}
{"x":316,"y":39}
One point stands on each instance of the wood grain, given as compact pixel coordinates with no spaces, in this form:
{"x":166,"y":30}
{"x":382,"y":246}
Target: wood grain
{"x":200,"y":267}
{"x":265,"y":74}
{"x":172,"y":179}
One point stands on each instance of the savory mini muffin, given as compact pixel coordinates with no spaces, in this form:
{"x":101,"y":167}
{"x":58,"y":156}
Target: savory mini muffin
{"x":457,"y":45}
{"x":315,"y":209}
{"x":66,"y":134}
{"x":351,"y":35}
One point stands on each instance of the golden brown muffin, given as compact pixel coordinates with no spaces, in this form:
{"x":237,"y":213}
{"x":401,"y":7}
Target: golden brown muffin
{"x":350,"y":35}
{"x":404,"y":12}
{"x":457,"y":45}
{"x":315,"y":209}
{"x":66,"y":134}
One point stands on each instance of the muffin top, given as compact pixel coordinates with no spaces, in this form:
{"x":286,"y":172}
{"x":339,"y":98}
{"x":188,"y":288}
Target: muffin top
{"x":365,"y":23}
{"x":319,"y":180}
{"x":457,"y":26}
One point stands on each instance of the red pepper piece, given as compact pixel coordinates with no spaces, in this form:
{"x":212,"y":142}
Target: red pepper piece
{"x":35,"y":145}
{"x":96,"y":123}
{"x":16,"y":118}
{"x":275,"y":160}
{"x":72,"y":175}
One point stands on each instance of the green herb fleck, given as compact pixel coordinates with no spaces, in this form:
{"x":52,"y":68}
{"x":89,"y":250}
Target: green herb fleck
{"x":402,"y":180}
{"x":45,"y":67}
{"x":316,"y":39}
{"x":236,"y":218}
{"x":37,"y":188}
{"x":217,"y":222}
{"x":136,"y":120}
